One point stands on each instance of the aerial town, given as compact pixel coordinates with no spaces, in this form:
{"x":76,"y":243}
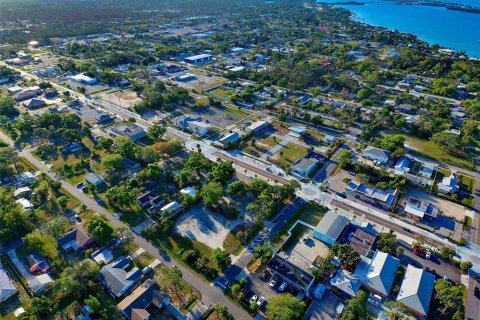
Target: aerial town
{"x":233,"y":160}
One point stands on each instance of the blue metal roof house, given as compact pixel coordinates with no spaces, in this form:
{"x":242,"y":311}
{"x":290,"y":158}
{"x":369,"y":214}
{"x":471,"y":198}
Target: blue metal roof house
{"x":330,"y":228}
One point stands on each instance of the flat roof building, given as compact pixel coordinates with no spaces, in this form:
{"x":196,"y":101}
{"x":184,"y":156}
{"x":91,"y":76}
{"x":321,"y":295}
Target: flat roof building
{"x":84,"y":79}
{"x":292,"y":274}
{"x":305,"y":166}
{"x":131,"y":131}
{"x":330,"y":228}
{"x":199,"y":59}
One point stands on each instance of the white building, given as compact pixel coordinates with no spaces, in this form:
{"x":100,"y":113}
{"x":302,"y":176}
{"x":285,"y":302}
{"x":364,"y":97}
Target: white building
{"x":448,"y":184}
{"x":376,"y":154}
{"x":83,"y":79}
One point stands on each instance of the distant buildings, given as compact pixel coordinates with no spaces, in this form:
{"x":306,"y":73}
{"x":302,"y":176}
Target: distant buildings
{"x":376,"y":154}
{"x":258,"y":126}
{"x":83,"y":79}
{"x":330,"y":228}
{"x":416,"y":291}
{"x":199,"y":59}
{"x":383,"y":198}
{"x":427,"y":171}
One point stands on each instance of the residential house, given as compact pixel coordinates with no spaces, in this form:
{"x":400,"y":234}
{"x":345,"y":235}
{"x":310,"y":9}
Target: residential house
{"x":27,"y":94}
{"x":25,"y":203}
{"x":403,"y":164}
{"x":94,"y":179}
{"x":345,"y":283}
{"x":189,"y":191}
{"x":75,"y":240}
{"x":330,"y":228}
{"x":417,"y":209}
{"x":376,"y":154}
{"x":427,"y":171}
{"x":131,"y":165}
{"x":35,"y":103}
{"x":383,"y":198}
{"x":22,"y":192}
{"x":416,"y":291}
{"x":378,"y":274}
{"x":135,"y":305}
{"x":115,"y":277}
{"x":37,"y":264}
{"x":449,"y":185}
{"x":104,"y":119}
{"x":131,"y":131}
{"x":7,"y":287}
{"x":305,"y":166}
{"x":173,"y":207}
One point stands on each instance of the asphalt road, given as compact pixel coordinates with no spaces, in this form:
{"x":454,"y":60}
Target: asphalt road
{"x":210,"y":294}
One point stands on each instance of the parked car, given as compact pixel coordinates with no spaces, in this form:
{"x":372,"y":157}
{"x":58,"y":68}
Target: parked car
{"x":283,"y":286}
{"x":253,"y":298}
{"x":273,"y":283}
{"x":428,"y":254}
{"x":261,"y":301}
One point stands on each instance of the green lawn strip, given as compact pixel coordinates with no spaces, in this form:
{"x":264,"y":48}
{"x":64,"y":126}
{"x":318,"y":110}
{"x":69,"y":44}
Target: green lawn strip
{"x":290,"y":154}
{"x":468,"y":183}
{"x":297,"y":232}
{"x":232,"y":244}
{"x":432,"y":150}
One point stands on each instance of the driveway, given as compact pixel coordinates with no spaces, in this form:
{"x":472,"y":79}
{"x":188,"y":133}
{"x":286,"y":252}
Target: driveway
{"x":210,"y":294}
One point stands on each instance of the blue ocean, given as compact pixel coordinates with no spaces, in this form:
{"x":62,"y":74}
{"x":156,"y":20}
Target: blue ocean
{"x":451,"y":29}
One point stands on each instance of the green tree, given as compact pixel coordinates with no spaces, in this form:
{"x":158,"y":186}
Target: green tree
{"x":45,"y":244}
{"x":63,"y":202}
{"x":123,"y":196}
{"x":7,"y":105}
{"x":387,"y":242}
{"x":221,"y":258}
{"x":113,"y":161}
{"x":221,"y":171}
{"x":212,"y":193}
{"x":156,"y":131}
{"x":100,"y":229}
{"x":284,"y":307}
{"x":93,"y":303}
{"x":355,"y":308}
{"x":237,"y":187}
{"x":56,"y":227}
{"x":264,"y":252}
{"x":347,"y":255}
{"x":345,"y":159}
{"x":39,"y":307}
{"x":448,"y":299}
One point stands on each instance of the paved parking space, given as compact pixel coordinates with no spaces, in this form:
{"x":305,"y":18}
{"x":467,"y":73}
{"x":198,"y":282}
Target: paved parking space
{"x":324,"y":309}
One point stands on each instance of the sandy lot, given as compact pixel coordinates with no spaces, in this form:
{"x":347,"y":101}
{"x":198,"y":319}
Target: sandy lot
{"x":123,"y":98}
{"x":447,"y":208}
{"x":205,"y":226}
{"x":304,"y":254}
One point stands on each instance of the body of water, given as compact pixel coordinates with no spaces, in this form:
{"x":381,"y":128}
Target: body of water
{"x":448,"y":28}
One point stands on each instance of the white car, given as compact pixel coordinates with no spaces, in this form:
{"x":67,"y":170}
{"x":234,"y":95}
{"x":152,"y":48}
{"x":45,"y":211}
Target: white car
{"x":261,"y":301}
{"x":283,"y":286}
{"x":428,"y":254}
{"x":254,"y":298}
{"x":273,"y":283}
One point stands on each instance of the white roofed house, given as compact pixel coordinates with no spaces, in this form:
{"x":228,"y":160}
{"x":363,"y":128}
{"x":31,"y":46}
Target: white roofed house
{"x":199,"y":59}
{"x":173,"y":207}
{"x":84,"y":79}
{"x":190,"y":191}
{"x":449,"y":184}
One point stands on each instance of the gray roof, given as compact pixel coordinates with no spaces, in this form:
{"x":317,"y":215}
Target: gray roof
{"x":116,"y":278}
{"x":346,"y":282}
{"x":140,"y":300}
{"x":94,"y":178}
{"x":416,"y":290}
{"x":332,"y":225}
{"x":377,"y":152}
{"x":305,"y":164}
{"x":7,"y":288}
{"x":131,"y":131}
{"x":379,"y":273}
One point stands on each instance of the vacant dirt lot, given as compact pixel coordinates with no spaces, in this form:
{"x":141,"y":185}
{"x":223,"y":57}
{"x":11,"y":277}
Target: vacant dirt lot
{"x":123,"y":98}
{"x":448,"y":208}
{"x":203,"y":225}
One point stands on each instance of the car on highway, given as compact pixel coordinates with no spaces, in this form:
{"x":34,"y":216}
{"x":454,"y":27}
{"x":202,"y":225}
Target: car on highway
{"x":282,"y":287}
{"x":253,"y":298}
{"x":273,"y":283}
{"x":261,"y":301}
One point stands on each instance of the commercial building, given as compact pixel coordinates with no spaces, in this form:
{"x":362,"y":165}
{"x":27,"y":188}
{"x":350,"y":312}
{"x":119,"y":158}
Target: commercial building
{"x":330,"y":228}
{"x":83,"y":79}
{"x":258,"y":126}
{"x":383,"y":198}
{"x":291,"y":274}
{"x":305,"y":166}
{"x":199,"y":59}
{"x":416,"y":290}
{"x":193,"y":124}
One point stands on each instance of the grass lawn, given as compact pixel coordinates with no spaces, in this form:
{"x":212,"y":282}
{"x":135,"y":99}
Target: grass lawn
{"x":289,"y":154}
{"x":133,"y":217}
{"x":296,"y":235}
{"x":222,"y":92}
{"x":467,"y":182}
{"x":432,"y":150}
{"x":232,"y":244}
{"x":237,"y":111}
{"x":442,"y":172}
{"x":308,"y":213}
